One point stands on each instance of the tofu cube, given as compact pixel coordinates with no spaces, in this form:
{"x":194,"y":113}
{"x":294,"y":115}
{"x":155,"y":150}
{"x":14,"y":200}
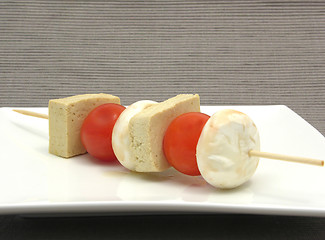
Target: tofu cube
{"x":66,"y":116}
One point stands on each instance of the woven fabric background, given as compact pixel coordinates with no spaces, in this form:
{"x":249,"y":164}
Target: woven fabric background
{"x":230,"y":52}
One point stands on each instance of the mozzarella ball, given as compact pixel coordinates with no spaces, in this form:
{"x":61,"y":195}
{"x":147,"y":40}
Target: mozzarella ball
{"x":223,"y":149}
{"x":120,"y":136}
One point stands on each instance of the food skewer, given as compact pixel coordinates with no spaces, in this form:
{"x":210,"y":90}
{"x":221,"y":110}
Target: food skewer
{"x":282,"y":157}
{"x":255,"y":153}
{"x":32,"y":114}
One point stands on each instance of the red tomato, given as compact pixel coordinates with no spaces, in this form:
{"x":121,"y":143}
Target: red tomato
{"x":180,"y":141}
{"x":96,"y":131}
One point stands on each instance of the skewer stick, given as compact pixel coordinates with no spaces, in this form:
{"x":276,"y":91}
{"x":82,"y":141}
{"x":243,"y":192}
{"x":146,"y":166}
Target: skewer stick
{"x":255,"y":153}
{"x":32,"y":114}
{"x":311,"y":161}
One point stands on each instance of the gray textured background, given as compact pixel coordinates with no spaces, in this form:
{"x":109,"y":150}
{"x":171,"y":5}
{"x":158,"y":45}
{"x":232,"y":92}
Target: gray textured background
{"x":230,"y":52}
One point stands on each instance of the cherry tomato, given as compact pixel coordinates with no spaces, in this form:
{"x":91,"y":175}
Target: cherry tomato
{"x":180,"y":141}
{"x":96,"y":131}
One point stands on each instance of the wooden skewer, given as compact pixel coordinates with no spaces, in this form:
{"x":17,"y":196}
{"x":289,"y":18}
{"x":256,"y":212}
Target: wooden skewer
{"x":255,"y":153}
{"x":32,"y":114}
{"x":311,"y":161}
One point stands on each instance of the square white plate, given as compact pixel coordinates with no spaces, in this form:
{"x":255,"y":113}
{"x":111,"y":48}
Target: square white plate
{"x":32,"y":181}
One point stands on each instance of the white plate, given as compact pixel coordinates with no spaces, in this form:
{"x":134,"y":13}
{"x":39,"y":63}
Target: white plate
{"x":32,"y":181}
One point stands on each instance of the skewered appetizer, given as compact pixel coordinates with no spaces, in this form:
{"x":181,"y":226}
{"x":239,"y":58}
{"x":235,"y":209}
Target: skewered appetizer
{"x":150,"y":137}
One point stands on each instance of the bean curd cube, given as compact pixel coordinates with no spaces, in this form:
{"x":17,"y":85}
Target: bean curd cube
{"x":66,"y":116}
